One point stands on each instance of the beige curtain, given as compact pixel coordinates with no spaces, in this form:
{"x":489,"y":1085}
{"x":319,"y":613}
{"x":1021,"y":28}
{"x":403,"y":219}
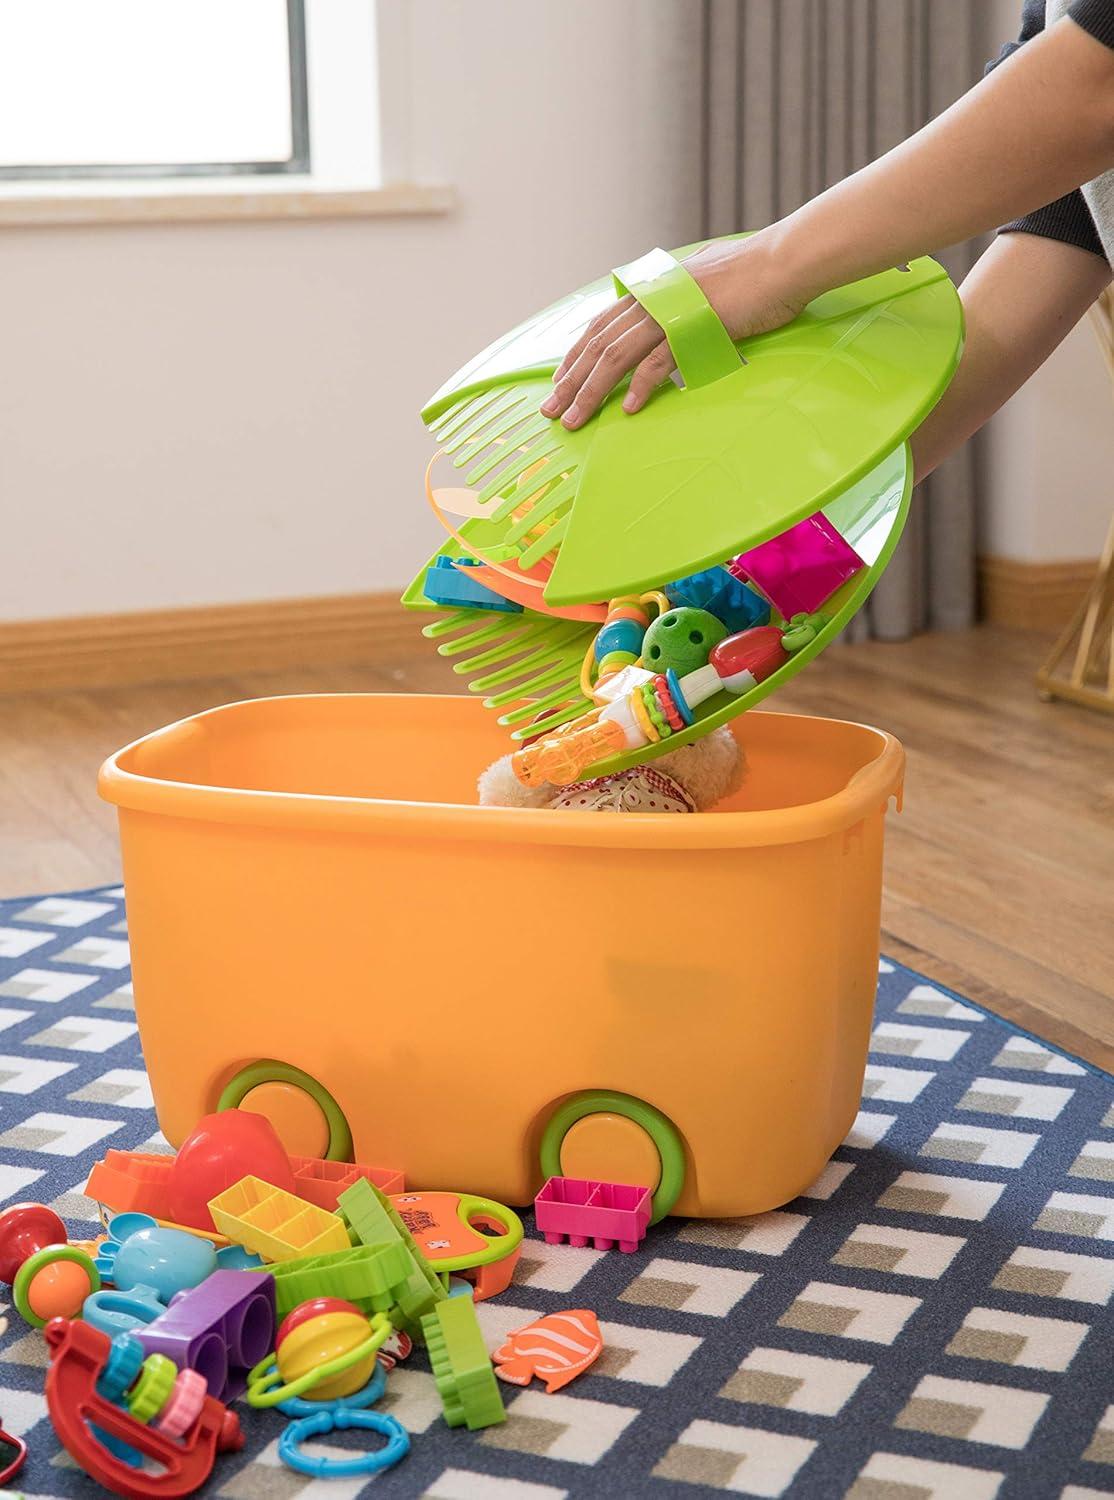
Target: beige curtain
{"x":799,"y":93}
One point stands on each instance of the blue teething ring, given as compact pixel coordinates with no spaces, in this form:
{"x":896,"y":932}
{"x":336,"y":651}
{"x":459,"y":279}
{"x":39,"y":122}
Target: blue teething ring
{"x":678,"y":697}
{"x":322,"y":1423}
{"x":368,"y":1395}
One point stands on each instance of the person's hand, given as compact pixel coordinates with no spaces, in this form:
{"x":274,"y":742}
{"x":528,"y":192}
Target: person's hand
{"x":746,"y":288}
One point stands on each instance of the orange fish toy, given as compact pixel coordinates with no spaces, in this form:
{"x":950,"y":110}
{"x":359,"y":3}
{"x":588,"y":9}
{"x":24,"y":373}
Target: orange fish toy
{"x":558,"y":1348}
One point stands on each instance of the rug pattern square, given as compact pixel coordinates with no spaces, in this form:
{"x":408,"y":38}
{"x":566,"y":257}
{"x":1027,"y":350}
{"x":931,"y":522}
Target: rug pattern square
{"x":930,"y":1320}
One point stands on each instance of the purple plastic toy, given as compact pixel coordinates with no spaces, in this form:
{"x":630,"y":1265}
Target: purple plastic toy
{"x":221,"y":1328}
{"x":601,"y":1212}
{"x":801,"y":568}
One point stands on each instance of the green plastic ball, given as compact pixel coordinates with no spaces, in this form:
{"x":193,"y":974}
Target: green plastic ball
{"x":681,"y":639}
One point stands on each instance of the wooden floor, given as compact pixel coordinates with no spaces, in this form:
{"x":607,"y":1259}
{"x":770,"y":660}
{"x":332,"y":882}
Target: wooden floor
{"x":1000,"y":871}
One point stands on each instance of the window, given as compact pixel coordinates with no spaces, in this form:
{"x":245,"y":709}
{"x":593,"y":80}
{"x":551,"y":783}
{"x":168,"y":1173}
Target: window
{"x":122,"y":88}
{"x":152,"y":87}
{"x":137,"y":110}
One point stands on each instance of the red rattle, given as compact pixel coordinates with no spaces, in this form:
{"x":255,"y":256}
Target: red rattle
{"x":78,"y":1354}
{"x":50,"y":1278}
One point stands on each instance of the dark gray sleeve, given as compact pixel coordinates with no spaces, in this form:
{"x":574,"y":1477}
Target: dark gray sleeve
{"x":1068,"y":219}
{"x":1096,"y":17}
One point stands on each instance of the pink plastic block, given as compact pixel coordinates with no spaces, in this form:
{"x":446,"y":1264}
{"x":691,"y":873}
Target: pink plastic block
{"x":801,"y":568}
{"x":603,"y":1213}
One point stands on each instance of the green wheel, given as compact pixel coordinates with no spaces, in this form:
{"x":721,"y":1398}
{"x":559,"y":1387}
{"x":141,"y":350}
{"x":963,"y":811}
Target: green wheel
{"x":662,"y":1132}
{"x":308,"y":1119}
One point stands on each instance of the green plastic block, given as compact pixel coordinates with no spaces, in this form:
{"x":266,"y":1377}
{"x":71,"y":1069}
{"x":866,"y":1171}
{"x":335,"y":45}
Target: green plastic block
{"x":373,"y":1220}
{"x":371,"y":1276}
{"x":461,"y":1368}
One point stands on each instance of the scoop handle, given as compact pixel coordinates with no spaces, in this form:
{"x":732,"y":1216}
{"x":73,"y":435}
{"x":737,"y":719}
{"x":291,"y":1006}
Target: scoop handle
{"x":698,"y":341}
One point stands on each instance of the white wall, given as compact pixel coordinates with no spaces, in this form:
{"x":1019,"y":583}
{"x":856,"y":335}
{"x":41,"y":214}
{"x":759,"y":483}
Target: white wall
{"x":197,"y":414}
{"x":1049,"y":478}
{"x":1049,"y":482}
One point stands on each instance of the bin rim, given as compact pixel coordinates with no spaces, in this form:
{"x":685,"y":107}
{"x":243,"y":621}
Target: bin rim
{"x":867,"y":791}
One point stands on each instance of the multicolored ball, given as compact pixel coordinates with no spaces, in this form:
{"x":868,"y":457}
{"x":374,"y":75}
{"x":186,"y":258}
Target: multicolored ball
{"x":317,"y":1332}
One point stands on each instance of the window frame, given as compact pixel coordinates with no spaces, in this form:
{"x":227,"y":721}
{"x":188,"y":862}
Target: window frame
{"x":298,"y":163}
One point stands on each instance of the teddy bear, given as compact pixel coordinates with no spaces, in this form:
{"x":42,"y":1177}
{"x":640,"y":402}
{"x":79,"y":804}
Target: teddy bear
{"x":692,"y":778}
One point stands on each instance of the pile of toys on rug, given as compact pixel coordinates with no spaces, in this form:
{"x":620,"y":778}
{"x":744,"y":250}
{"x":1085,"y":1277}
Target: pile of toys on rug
{"x":234,"y":1269}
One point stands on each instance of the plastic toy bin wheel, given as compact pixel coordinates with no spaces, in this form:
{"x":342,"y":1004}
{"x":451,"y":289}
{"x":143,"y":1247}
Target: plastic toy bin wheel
{"x":310,"y":882}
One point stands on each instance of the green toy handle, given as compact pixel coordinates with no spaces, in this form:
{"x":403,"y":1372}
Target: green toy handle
{"x":472,"y":1207}
{"x":698,"y":341}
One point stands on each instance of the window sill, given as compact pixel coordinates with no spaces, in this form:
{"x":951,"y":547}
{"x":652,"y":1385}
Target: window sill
{"x":211,"y":200}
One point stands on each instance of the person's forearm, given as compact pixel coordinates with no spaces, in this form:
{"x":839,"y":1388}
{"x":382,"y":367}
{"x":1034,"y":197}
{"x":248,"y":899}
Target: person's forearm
{"x":1037,"y":127}
{"x":1021,"y":300}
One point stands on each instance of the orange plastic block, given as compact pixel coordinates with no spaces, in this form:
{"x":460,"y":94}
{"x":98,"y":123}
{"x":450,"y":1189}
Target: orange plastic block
{"x":133,"y":1182}
{"x":322,"y":1182}
{"x":275,"y":1224}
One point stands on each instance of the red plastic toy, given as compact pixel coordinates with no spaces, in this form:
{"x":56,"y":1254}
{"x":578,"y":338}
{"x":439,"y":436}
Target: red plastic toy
{"x":220,"y":1151}
{"x":78,"y":1353}
{"x":603,"y":1213}
{"x":50,"y":1278}
{"x":748,"y":658}
{"x":13,"y":1452}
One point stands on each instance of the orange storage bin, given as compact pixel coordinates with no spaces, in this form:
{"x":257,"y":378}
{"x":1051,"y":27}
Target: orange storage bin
{"x":325,"y":927}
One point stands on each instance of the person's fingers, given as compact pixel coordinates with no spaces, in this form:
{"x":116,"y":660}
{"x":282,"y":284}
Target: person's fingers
{"x":597,"y":325}
{"x":606,"y":330}
{"x":655,"y":368}
{"x":623,"y":354}
{"x":568,"y":386}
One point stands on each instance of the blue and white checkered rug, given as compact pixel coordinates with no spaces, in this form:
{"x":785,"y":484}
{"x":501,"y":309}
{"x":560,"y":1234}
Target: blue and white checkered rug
{"x":931,"y":1321}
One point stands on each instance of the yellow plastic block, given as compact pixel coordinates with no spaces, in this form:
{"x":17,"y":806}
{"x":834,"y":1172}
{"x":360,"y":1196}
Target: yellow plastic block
{"x":275,"y":1224}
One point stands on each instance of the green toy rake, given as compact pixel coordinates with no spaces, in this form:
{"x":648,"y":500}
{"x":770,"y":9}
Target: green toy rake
{"x":809,"y":421}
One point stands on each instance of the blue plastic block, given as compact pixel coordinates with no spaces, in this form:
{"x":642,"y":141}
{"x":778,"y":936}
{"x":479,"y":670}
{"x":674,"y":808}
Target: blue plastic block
{"x":722,"y":595}
{"x":447,"y":582}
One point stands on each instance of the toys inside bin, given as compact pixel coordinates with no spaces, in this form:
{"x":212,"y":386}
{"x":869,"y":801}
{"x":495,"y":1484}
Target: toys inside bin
{"x":658,"y":706}
{"x":802,"y":568}
{"x":772,"y":480}
{"x":648,"y":642}
{"x":452,"y":581}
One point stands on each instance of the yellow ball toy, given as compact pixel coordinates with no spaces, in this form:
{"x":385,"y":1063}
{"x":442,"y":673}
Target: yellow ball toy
{"x":322,"y":1338}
